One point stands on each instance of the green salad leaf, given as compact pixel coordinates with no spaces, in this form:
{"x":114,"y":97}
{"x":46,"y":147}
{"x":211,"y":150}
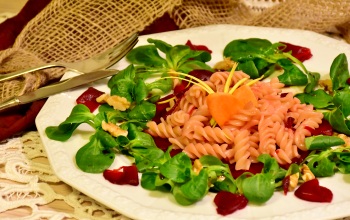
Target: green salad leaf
{"x":322,"y":142}
{"x":179,"y":58}
{"x":260,"y":187}
{"x":326,"y":162}
{"x":319,"y":98}
{"x":339,"y":72}
{"x":177,"y":169}
{"x":80,"y":114}
{"x":193,"y":190}
{"x":97,"y":155}
{"x":292,"y":75}
{"x":259,"y":57}
{"x":336,"y":103}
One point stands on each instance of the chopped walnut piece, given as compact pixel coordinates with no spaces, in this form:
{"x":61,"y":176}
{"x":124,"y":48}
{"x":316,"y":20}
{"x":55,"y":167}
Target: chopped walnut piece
{"x":326,"y":84}
{"x":197,"y":166}
{"x":224,"y":65}
{"x":345,"y":138}
{"x":113,"y":129}
{"x":306,"y":173}
{"x":117,"y":102}
{"x":293,"y":181}
{"x":102,"y":98}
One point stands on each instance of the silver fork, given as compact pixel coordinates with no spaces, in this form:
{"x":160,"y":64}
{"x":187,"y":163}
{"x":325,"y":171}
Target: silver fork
{"x":102,"y":60}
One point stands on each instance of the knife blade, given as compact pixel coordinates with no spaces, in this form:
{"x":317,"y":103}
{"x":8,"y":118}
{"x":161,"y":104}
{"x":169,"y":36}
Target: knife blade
{"x":58,"y":87}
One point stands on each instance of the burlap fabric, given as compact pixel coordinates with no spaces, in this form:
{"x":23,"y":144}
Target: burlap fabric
{"x":71,"y":30}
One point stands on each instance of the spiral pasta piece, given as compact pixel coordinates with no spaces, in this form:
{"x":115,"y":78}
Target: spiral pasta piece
{"x":240,"y":150}
{"x":245,"y":119}
{"x":180,"y":142}
{"x":210,"y":134}
{"x":186,"y":106}
{"x":196,"y":96}
{"x":254,"y":139}
{"x":303,"y":131}
{"x":189,"y":127}
{"x":219,"y":79}
{"x":263,"y":89}
{"x":284,"y":139}
{"x":267,"y":142}
{"x":281,"y":156}
{"x":178,"y":118}
{"x":196,"y":150}
{"x":163,"y":130}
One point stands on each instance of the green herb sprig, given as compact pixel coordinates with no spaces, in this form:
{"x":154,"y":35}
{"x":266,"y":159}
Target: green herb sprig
{"x":259,"y":57}
{"x":178,"y":58}
{"x":335,"y":104}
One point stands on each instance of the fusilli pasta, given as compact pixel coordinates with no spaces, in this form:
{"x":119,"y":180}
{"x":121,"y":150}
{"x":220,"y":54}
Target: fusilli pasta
{"x":254,"y":130}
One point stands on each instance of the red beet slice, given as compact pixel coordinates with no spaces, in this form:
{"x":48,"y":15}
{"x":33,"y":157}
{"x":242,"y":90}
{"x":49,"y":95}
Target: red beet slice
{"x":313,"y":192}
{"x":325,"y":128}
{"x":285,"y":184}
{"x":227,"y":202}
{"x":254,"y":169}
{"x":299,"y":52}
{"x":123,"y":175}
{"x":198,"y":47}
{"x":88,"y":98}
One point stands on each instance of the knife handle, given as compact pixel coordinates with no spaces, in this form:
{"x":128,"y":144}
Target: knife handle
{"x":9,"y":103}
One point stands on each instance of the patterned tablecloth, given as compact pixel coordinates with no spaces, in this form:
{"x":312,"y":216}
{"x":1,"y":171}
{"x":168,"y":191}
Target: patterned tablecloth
{"x":30,"y":190}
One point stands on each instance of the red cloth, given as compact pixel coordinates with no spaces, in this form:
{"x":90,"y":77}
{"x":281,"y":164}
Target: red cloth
{"x":162,"y":24}
{"x":23,"y":118}
{"x":11,"y":28}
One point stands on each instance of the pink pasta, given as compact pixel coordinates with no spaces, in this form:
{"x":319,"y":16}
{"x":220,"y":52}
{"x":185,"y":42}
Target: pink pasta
{"x":196,"y":96}
{"x":179,"y":118}
{"x":254,"y":130}
{"x":239,"y":153}
{"x":196,"y":150}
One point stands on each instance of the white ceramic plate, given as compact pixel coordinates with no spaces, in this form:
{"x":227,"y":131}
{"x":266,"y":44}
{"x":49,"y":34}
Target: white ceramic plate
{"x":138,"y":203}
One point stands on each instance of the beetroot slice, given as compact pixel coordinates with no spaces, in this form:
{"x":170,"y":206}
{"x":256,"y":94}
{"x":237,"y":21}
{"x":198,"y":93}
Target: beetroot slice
{"x":123,"y":175}
{"x":88,"y":98}
{"x":325,"y":128}
{"x":299,"y":52}
{"x":285,"y":184}
{"x":312,"y":191}
{"x":198,"y":47}
{"x":227,"y":202}
{"x":254,"y":169}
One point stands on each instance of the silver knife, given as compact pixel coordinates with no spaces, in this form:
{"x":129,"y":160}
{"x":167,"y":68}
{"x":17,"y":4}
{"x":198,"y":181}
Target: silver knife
{"x":57,"y":88}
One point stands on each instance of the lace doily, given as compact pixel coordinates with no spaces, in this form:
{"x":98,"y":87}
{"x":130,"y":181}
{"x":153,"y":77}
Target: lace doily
{"x":30,"y":190}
